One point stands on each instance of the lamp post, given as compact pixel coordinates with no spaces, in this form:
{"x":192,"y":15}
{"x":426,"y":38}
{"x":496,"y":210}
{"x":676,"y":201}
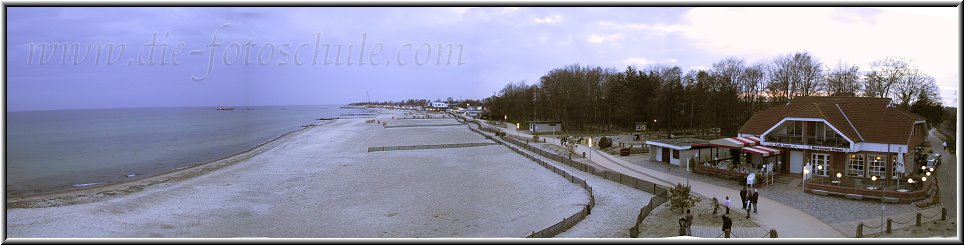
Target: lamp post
{"x":590,"y":149}
{"x":517,"y":134}
{"x":654,"y":127}
{"x":838,"y":179}
{"x":805,"y":172}
{"x":820,"y":170}
{"x":874,"y":179}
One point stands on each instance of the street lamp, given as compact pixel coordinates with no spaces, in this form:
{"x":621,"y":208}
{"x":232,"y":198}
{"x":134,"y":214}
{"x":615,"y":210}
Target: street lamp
{"x":590,"y":149}
{"x":517,"y":134}
{"x":838,"y":179}
{"x":820,"y":170}
{"x":874,"y":179}
{"x":654,"y":127}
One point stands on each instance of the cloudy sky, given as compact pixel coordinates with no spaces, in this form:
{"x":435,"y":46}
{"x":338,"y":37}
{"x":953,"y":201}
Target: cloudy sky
{"x":276,"y":56}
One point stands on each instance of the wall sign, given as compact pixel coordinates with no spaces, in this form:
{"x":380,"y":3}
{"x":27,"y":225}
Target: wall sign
{"x":806,"y":147}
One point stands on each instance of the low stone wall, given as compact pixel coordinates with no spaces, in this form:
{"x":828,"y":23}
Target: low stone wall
{"x":860,"y":193}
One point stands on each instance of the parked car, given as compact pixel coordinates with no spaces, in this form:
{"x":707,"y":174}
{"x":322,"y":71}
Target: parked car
{"x":933,"y":160}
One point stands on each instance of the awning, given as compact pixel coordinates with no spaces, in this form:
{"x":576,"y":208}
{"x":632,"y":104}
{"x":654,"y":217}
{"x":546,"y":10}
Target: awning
{"x":761,"y":150}
{"x":736,"y":142}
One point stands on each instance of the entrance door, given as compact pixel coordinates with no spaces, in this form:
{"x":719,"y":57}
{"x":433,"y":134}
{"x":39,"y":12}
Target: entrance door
{"x":818,"y":159}
{"x":796,"y":162}
{"x":666,"y":155}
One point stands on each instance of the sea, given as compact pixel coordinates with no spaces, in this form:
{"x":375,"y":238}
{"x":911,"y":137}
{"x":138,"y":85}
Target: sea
{"x":53,"y":151}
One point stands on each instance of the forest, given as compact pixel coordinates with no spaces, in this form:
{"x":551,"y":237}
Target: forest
{"x":722,"y":96}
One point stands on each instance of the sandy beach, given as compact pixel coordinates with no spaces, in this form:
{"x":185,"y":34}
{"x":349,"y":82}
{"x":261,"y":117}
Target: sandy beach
{"x":322,"y":182}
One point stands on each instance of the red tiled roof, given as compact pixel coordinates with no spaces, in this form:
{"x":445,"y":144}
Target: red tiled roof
{"x":870,"y":119}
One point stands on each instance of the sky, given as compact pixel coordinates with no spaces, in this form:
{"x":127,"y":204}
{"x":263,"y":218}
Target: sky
{"x":93,"y":57}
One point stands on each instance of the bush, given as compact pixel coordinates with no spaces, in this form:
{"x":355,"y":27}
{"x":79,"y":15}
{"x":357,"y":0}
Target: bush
{"x":605,"y":142}
{"x":680,"y":199}
{"x":535,"y":138}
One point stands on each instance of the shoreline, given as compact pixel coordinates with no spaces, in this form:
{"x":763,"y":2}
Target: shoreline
{"x":104,"y":192}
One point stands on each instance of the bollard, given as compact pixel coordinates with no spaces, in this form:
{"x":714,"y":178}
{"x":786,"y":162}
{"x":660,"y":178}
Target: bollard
{"x":860,"y":230}
{"x":584,"y":154}
{"x":726,"y":233}
{"x":918,"y":218}
{"x":944,"y":214}
{"x":889,"y":221}
{"x":773,"y":233}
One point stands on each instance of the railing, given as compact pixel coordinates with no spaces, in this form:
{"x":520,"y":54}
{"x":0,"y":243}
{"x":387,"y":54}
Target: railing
{"x":832,"y":141}
{"x":786,"y":138}
{"x":919,"y":219}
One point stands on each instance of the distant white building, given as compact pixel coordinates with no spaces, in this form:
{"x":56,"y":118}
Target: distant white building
{"x":545,"y":126}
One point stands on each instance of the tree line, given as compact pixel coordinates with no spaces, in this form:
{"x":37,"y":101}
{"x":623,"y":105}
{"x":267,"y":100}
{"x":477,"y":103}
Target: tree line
{"x":724,"y":96}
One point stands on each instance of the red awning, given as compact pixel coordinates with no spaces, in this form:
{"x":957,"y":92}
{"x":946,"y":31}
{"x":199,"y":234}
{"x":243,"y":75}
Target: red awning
{"x":761,"y":150}
{"x":736,"y":142}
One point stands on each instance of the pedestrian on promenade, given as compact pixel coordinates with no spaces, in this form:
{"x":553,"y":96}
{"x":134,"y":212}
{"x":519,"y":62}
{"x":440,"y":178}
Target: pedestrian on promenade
{"x":945,"y":145}
{"x":749,"y":206}
{"x":743,"y":197}
{"x":726,"y":203}
{"x":754,"y":198}
{"x":682,"y":226}
{"x":727,"y":223}
{"x":689,"y":223}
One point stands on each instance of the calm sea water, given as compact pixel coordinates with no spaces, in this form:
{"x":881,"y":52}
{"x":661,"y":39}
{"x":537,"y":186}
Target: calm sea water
{"x":50,"y":151}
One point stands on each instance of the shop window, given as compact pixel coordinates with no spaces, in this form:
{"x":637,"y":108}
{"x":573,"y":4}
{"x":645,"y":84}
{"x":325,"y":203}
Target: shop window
{"x":855,"y":167}
{"x":876,"y":167}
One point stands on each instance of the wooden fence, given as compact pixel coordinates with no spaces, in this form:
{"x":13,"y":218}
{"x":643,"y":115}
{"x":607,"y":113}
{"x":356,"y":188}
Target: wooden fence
{"x":420,"y":147}
{"x":660,"y":192}
{"x":654,"y":202}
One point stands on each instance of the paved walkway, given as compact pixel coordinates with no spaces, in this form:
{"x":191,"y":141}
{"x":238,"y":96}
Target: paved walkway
{"x":789,"y":222}
{"x":947,"y":173}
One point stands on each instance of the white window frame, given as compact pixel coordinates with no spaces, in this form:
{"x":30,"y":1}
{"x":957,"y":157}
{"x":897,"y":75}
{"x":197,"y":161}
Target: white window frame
{"x":814,"y":162}
{"x":876,"y":167}
{"x":857,"y":166}
{"x":893,"y":169}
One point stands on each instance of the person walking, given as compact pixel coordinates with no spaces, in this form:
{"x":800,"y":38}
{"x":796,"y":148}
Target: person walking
{"x":743,"y":196}
{"x":945,"y":145}
{"x":749,"y":206}
{"x":727,"y":223}
{"x":726,"y":203}
{"x":682,"y":226}
{"x":754,"y":199}
{"x":689,"y":223}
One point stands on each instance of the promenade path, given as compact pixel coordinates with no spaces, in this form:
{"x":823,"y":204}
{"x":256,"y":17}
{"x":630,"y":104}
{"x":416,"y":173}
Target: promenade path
{"x":789,"y":222}
{"x":947,"y":173}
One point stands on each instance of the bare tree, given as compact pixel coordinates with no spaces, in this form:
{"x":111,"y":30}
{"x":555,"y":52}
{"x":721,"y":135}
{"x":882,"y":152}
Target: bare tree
{"x":883,"y":74}
{"x":844,"y":79}
{"x":797,"y":74}
{"x":912,"y":86}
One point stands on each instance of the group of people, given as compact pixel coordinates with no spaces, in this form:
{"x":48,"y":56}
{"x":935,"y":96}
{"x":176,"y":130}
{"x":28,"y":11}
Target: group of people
{"x":749,"y":199}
